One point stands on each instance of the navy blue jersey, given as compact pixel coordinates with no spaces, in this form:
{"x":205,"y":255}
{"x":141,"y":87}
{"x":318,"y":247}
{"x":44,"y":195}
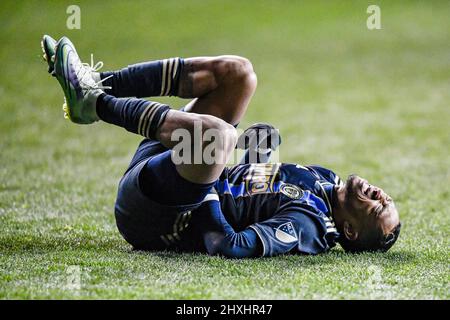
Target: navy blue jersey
{"x":287,"y":205}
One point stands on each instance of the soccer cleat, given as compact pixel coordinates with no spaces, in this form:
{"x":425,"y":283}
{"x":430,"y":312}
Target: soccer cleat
{"x":77,"y":81}
{"x":48,"y":52}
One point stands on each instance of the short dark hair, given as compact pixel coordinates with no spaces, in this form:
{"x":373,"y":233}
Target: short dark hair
{"x":378,"y":242}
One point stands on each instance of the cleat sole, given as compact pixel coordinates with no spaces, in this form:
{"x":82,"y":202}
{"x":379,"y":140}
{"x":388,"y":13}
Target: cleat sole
{"x":66,"y":110}
{"x":44,"y":54}
{"x":47,"y":59}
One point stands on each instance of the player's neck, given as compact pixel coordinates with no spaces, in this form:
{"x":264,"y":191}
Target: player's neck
{"x":339,"y":212}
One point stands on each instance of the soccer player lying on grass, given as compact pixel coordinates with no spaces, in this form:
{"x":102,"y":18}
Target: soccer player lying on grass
{"x":248,"y":210}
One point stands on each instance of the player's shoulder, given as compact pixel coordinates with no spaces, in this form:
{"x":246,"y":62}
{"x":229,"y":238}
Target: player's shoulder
{"x":319,"y":172}
{"x":314,"y":236}
{"x":323,"y":173}
{"x":313,"y":167}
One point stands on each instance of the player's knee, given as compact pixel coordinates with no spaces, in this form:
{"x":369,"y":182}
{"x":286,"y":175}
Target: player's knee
{"x":241,"y":67}
{"x":222,"y":134}
{"x":230,"y":137}
{"x":234,"y":68}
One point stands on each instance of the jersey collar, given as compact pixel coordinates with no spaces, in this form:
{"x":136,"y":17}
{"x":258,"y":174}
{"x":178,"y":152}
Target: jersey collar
{"x":327,"y":191}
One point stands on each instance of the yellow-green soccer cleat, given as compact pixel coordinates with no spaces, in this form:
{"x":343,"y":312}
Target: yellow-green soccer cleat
{"x":76,"y":79}
{"x":48,"y":45}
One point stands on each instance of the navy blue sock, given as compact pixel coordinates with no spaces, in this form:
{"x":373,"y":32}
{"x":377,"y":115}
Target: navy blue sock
{"x":147,"y":79}
{"x":135,"y":115}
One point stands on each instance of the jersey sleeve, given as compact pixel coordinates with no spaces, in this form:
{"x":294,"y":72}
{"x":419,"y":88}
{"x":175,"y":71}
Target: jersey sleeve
{"x":327,"y":174}
{"x":291,"y":230}
{"x":218,"y":235}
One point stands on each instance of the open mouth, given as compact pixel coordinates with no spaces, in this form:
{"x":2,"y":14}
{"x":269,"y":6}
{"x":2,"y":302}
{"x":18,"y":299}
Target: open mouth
{"x":371,"y":192}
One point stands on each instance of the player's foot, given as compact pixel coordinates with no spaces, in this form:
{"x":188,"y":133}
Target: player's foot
{"x":48,"y":52}
{"x":76,"y":79}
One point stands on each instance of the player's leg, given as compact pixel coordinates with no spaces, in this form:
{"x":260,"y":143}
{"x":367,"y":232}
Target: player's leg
{"x":198,"y":168}
{"x":146,"y":79}
{"x":222,"y":86}
{"x":157,"y":121}
{"x":87,"y":103}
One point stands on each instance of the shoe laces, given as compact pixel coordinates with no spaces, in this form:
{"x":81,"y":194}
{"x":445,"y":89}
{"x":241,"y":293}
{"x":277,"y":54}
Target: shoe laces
{"x":84,"y":73}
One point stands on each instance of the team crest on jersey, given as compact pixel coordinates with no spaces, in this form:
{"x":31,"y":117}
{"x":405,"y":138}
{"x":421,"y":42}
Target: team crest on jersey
{"x":286,"y":233}
{"x":291,"y":191}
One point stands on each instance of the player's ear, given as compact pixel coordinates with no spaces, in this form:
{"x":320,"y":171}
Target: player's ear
{"x":349,"y":231}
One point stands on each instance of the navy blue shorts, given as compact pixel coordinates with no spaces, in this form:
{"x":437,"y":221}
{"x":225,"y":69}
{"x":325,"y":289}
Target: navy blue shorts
{"x":152,"y":197}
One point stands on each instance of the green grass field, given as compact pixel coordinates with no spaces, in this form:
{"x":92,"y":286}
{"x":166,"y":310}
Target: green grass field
{"x":374,"y":103}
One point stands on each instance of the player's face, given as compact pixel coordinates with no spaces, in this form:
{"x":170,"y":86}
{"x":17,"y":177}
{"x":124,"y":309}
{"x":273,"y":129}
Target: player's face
{"x":370,"y":205}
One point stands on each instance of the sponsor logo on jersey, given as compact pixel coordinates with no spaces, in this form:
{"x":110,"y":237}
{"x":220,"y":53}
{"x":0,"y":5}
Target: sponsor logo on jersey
{"x":259,"y":187}
{"x":286,"y":233}
{"x":291,"y":191}
{"x":260,"y":178}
